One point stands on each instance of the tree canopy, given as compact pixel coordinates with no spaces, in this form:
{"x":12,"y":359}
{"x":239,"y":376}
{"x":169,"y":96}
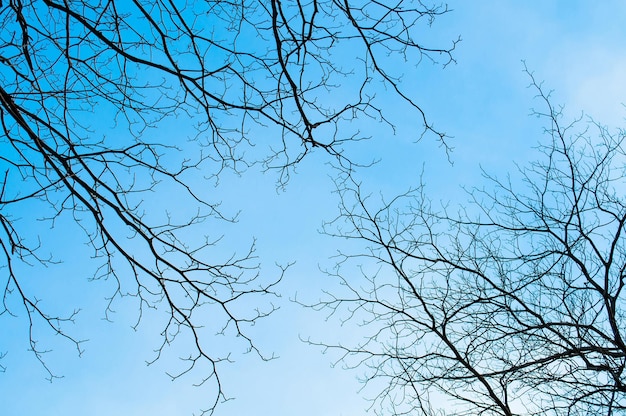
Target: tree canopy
{"x":84,"y":88}
{"x":122,"y":121}
{"x":512,"y":304}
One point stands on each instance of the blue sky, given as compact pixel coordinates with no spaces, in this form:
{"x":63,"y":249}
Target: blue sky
{"x":578,"y":48}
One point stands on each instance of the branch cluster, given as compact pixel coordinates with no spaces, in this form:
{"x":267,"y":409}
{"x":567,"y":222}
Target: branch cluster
{"x":513,"y":305}
{"x":84,"y":84}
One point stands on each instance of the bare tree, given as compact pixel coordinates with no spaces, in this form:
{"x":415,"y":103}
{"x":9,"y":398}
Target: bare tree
{"x":512,"y":306}
{"x":83,"y":85}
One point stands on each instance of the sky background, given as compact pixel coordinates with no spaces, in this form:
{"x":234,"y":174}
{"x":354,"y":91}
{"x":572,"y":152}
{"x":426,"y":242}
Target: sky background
{"x":578,"y":48}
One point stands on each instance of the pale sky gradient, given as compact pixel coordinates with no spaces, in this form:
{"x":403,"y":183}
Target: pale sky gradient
{"x":577,"y":47}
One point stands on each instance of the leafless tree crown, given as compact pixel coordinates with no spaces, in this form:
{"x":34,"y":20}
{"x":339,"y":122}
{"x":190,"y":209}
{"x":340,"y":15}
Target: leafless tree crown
{"x":83,"y":84}
{"x":514,"y":305}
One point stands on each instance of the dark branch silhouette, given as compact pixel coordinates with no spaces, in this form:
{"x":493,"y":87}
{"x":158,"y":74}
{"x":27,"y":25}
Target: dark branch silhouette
{"x":84,"y":86}
{"x":512,"y":306}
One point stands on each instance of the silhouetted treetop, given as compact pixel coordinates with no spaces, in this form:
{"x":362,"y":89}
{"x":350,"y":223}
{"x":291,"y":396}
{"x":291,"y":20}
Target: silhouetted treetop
{"x":89,"y":92}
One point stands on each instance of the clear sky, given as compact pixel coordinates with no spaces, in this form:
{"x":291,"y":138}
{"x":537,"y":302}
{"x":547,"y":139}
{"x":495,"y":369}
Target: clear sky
{"x":577,"y":47}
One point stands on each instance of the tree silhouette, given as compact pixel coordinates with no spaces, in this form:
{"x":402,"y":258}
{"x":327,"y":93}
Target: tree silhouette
{"x":512,"y":305}
{"x":85,"y":85}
